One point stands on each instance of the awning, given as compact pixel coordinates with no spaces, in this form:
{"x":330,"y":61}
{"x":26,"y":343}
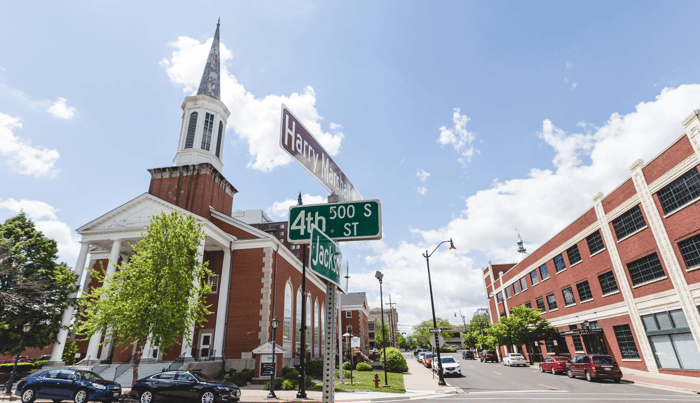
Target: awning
{"x":581,"y":332}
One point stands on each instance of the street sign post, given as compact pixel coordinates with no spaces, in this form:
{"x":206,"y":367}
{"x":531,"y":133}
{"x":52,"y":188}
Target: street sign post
{"x":351,"y":221}
{"x":327,"y":260}
{"x":296,"y":140}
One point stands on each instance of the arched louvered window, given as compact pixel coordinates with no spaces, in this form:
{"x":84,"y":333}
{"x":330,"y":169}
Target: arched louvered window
{"x":218,"y":139}
{"x":308,"y":324}
{"x":206,"y":134}
{"x":189,"y":141}
{"x":317,"y":332}
{"x":288,"y":302}
{"x":297,"y":332}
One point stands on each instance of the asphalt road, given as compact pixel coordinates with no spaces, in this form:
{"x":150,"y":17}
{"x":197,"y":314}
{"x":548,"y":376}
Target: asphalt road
{"x":492,"y":382}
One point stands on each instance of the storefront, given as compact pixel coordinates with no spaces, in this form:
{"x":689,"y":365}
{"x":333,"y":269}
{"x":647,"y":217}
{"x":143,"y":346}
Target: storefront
{"x":671,"y":340}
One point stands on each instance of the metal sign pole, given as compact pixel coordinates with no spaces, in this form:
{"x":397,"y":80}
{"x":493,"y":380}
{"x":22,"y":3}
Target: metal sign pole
{"x":329,"y":353}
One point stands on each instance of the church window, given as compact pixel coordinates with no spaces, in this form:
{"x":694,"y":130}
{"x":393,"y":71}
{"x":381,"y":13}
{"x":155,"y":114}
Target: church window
{"x":317,"y":338}
{"x":189,"y":141}
{"x":214,"y":283}
{"x":206,"y":135}
{"x":298,"y":321}
{"x":288,"y":302}
{"x":218,"y":140}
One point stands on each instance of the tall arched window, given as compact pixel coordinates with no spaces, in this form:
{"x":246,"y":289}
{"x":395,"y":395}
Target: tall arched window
{"x":317,"y":331}
{"x":208,"y":128}
{"x":323,"y":329}
{"x":297,"y":333}
{"x":308,"y":323}
{"x":287,"y":329}
{"x":218,"y":139}
{"x":189,"y":140}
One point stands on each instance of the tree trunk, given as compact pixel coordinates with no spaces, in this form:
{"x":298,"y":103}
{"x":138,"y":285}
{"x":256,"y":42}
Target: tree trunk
{"x":140,"y":344}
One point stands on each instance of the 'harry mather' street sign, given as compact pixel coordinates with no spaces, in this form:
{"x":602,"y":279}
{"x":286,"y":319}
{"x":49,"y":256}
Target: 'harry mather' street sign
{"x":350,"y":221}
{"x":303,"y":147}
{"x":327,"y":260}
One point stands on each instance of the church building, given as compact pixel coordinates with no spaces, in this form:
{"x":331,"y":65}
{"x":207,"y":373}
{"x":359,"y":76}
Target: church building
{"x":255,"y":276}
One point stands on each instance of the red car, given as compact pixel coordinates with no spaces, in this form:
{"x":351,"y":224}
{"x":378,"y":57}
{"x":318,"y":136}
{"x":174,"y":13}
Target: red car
{"x":594,"y":366}
{"x":554,"y":364}
{"x":20,"y":359}
{"x":489,"y":355}
{"x":428,"y":360}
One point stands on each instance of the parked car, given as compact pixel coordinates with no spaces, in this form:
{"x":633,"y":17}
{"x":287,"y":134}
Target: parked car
{"x":428,"y":360}
{"x":417,"y":353}
{"x":554,"y":364}
{"x":44,"y":357}
{"x":20,"y":359}
{"x":68,"y":384}
{"x":489,"y":355}
{"x":449,"y":366}
{"x":421,"y":355}
{"x":468,"y":354}
{"x":516,"y":359}
{"x":594,"y":366}
{"x":184,"y":385}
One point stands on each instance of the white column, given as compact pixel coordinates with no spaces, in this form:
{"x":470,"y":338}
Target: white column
{"x":624,"y":286}
{"x":222,"y":306}
{"x":111,"y":268}
{"x":187,"y":347}
{"x":668,"y":256}
{"x":60,"y":344}
{"x":692,"y":130}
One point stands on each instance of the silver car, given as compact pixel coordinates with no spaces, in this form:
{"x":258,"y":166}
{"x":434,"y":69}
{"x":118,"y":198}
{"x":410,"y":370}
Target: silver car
{"x":516,"y":359}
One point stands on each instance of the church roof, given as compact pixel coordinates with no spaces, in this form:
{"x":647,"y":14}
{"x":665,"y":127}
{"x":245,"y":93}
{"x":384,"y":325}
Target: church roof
{"x":353,"y":298}
{"x":211,"y":78}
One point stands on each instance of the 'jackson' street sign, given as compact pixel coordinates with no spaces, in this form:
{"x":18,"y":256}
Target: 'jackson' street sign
{"x":303,"y":147}
{"x":327,"y":260}
{"x":350,"y":221}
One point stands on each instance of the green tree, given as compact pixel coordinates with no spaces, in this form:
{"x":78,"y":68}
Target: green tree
{"x":384,"y":332}
{"x":33,"y":287}
{"x":159,"y":293}
{"x":522,"y":327}
{"x":478,"y":326}
{"x":422,"y":331}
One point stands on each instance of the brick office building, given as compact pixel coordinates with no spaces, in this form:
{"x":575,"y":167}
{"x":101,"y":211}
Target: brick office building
{"x":354,"y":313}
{"x":247,"y":263}
{"x":623,"y":278}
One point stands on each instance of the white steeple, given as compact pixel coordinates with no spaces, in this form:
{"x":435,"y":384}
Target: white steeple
{"x":522,"y":253}
{"x":203,"y":129}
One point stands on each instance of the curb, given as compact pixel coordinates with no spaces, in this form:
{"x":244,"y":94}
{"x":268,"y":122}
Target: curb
{"x":664,"y":387}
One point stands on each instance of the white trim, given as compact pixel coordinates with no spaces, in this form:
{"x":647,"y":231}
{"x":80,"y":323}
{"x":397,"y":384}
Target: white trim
{"x":632,"y":359}
{"x":553,"y":310}
{"x":650,"y":281}
{"x":587,"y":300}
{"x":579,"y":262}
{"x":634,"y":233}
{"x":544,"y":279}
{"x":674,"y":173}
{"x":693,"y":268}
{"x":561,"y":271}
{"x":680,"y":208}
{"x":570,"y":305}
{"x":602,"y":250}
{"x":612,"y":293}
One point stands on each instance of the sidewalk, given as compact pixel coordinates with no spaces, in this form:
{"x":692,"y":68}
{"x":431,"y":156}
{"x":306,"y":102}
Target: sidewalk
{"x":675,"y":383}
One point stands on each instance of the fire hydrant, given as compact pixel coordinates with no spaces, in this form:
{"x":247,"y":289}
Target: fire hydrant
{"x":376,"y":380}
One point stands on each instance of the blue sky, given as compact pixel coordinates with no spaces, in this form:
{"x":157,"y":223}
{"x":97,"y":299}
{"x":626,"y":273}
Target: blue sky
{"x":465,"y":119}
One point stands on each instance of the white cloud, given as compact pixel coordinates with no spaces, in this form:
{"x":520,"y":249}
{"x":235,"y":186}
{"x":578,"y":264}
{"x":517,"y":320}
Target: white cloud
{"x":422,"y":175}
{"x":335,"y":126}
{"x":539,"y":205}
{"x":20,"y":155}
{"x":280,"y":209}
{"x":44,"y":217}
{"x":573,"y":86}
{"x":569,"y":65}
{"x":255,"y":120}
{"x":566,"y":80}
{"x":61,"y":110}
{"x":459,"y":137}
{"x":422,"y":190}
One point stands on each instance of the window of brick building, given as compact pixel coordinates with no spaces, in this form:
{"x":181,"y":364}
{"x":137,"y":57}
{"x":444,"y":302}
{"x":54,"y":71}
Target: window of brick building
{"x":508,"y":295}
{"x":584,"y":291}
{"x":348,"y":314}
{"x":670,"y":338}
{"x":645,"y":269}
{"x":629,"y":222}
{"x":595,"y":242}
{"x":213,"y":281}
{"x":516,"y":289}
{"x":578,"y":344}
{"x":559,"y":264}
{"x":523,"y":284}
{"x":607,"y":282}
{"x":499,"y":297}
{"x":348,"y":329}
{"x":533,"y":277}
{"x":680,"y":192}
{"x":569,"y":298}
{"x":544,"y":273}
{"x":528,"y":304}
{"x":551,"y":302}
{"x":573,"y":254}
{"x":625,"y":341}
{"x":540,"y":305}
{"x":690,"y":250}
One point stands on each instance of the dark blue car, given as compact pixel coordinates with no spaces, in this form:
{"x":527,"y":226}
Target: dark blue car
{"x":68,"y":384}
{"x":192,"y":386}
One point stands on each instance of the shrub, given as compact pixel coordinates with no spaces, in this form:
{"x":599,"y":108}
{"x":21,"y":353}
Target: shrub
{"x":347,"y":365}
{"x":346,"y":374}
{"x":69,"y":351}
{"x":292,"y":375}
{"x":314,"y":368}
{"x":363,"y":366}
{"x":242,"y":378}
{"x":288,"y":385}
{"x":285,"y":370}
{"x":308,"y":381}
{"x":395,"y":361}
{"x":278,"y":384}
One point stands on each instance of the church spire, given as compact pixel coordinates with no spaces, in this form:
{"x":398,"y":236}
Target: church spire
{"x":211,"y":78}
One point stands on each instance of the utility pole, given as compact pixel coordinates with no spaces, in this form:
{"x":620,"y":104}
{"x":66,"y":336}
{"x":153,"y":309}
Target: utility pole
{"x":391,"y":321}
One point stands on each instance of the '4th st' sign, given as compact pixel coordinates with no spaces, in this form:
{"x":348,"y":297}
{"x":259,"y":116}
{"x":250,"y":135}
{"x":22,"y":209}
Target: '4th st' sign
{"x":350,"y":221}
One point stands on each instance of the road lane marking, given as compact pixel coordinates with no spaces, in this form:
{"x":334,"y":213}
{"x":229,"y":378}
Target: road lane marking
{"x":550,"y":387}
{"x":497,"y":373}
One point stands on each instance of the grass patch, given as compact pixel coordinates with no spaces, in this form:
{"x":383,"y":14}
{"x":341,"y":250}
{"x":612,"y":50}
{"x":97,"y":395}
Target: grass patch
{"x":363,"y":381}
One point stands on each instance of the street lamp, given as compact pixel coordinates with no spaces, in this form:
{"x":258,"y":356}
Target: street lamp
{"x":453,"y":250}
{"x":464,"y":321}
{"x":379,"y":277}
{"x":274,"y":323}
{"x":8,"y":387}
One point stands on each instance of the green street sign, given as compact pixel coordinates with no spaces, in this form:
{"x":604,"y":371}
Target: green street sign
{"x":349,"y":221}
{"x":327,"y":260}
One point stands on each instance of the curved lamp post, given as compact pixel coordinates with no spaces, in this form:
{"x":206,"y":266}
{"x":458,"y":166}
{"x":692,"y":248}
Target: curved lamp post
{"x":379,"y":277}
{"x":8,"y":387}
{"x":453,"y":250}
{"x":274,"y":323}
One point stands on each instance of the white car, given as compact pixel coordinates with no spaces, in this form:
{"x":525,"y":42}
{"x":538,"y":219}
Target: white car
{"x":449,"y":366}
{"x":420,"y":356}
{"x":514,"y":359}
